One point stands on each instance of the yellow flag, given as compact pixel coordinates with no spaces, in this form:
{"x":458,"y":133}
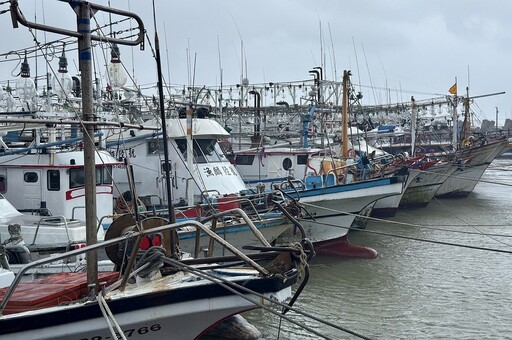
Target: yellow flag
{"x":453,"y":89}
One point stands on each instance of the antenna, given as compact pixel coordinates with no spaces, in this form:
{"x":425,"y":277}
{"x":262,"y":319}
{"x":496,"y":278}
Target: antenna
{"x":357,"y":64}
{"x":333,"y":53}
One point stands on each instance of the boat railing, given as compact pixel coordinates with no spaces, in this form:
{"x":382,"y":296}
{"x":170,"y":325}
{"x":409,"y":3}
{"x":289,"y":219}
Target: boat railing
{"x":100,"y":222}
{"x":137,"y":234}
{"x":290,"y":183}
{"x":52,"y":220}
{"x":226,"y":203}
{"x":76,"y":208}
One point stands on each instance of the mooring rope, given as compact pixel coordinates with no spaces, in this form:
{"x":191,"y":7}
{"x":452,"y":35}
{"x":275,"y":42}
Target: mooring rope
{"x":113,"y":326}
{"x":231,"y":287}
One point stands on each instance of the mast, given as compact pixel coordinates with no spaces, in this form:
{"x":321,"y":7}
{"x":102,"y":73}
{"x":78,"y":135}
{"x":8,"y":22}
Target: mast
{"x":466,"y":125}
{"x":344,"y":115}
{"x":455,"y":118}
{"x":414,"y":119}
{"x":190,"y":156}
{"x":455,"y":122}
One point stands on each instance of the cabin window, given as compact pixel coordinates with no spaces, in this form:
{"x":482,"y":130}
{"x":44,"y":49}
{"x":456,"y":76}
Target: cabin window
{"x":205,"y":150}
{"x":287,"y":163}
{"x":155,"y":146}
{"x":30,"y":177}
{"x":76,"y":178}
{"x":53,"y":181}
{"x":3,"y":184}
{"x":244,"y":159}
{"x":103,"y":175}
{"x":208,"y":150}
{"x":182,"y":146}
{"x":107,"y":175}
{"x":99,"y":175}
{"x":302,"y":159}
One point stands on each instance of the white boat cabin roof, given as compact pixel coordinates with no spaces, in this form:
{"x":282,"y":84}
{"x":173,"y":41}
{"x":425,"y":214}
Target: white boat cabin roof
{"x":201,"y":127}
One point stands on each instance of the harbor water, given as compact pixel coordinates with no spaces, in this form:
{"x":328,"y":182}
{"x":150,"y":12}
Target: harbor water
{"x":443,"y":272}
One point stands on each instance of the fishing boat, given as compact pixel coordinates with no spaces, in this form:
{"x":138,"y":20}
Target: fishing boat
{"x":472,"y":161}
{"x":25,"y":237}
{"x":475,"y":152}
{"x":428,"y":176}
{"x":203,"y":181}
{"x":53,"y":181}
{"x":183,"y":297}
{"x":334,"y":194}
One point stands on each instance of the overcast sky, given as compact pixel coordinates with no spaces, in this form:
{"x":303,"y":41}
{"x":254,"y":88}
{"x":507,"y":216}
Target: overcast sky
{"x":411,"y":47}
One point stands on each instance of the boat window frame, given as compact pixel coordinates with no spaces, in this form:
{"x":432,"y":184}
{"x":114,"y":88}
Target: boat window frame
{"x":107,"y":175}
{"x":205,"y":150}
{"x":3,"y":184}
{"x":302,"y":159}
{"x":210,"y":150}
{"x":30,"y":177}
{"x":76,"y":177}
{"x":53,"y":183}
{"x":155,"y":146}
{"x":242,"y":159}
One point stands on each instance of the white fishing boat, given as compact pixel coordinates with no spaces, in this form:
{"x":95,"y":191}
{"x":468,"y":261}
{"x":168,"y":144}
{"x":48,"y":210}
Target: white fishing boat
{"x":471,"y":162}
{"x":53,"y":182}
{"x":202,"y":178}
{"x":335,"y":194}
{"x":329,"y":212}
{"x":38,"y":233}
{"x":179,"y":297}
{"x":428,"y":176}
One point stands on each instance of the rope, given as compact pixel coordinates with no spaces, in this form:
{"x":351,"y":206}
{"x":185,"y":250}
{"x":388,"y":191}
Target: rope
{"x":421,"y":239}
{"x":303,"y":258}
{"x":113,"y":326}
{"x":153,"y":258}
{"x":236,"y":288}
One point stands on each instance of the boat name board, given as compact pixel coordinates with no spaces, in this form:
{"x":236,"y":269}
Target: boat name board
{"x":219,"y":171}
{"x":123,"y":153}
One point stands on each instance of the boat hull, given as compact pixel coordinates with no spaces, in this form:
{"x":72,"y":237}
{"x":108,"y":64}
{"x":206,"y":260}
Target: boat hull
{"x":332,"y":211}
{"x":462,"y":182}
{"x":388,"y":206}
{"x":425,"y":185}
{"x":183,"y":310}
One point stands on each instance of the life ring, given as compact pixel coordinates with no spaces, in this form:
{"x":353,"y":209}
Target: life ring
{"x":466,"y":143}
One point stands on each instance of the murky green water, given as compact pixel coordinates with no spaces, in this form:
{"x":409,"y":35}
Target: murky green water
{"x":416,"y":289}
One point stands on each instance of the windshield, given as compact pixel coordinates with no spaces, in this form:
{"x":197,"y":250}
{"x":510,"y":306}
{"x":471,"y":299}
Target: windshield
{"x":205,"y":150}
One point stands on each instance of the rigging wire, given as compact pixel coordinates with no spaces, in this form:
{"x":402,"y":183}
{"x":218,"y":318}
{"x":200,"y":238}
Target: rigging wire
{"x":413,"y":238}
{"x":235,"y":288}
